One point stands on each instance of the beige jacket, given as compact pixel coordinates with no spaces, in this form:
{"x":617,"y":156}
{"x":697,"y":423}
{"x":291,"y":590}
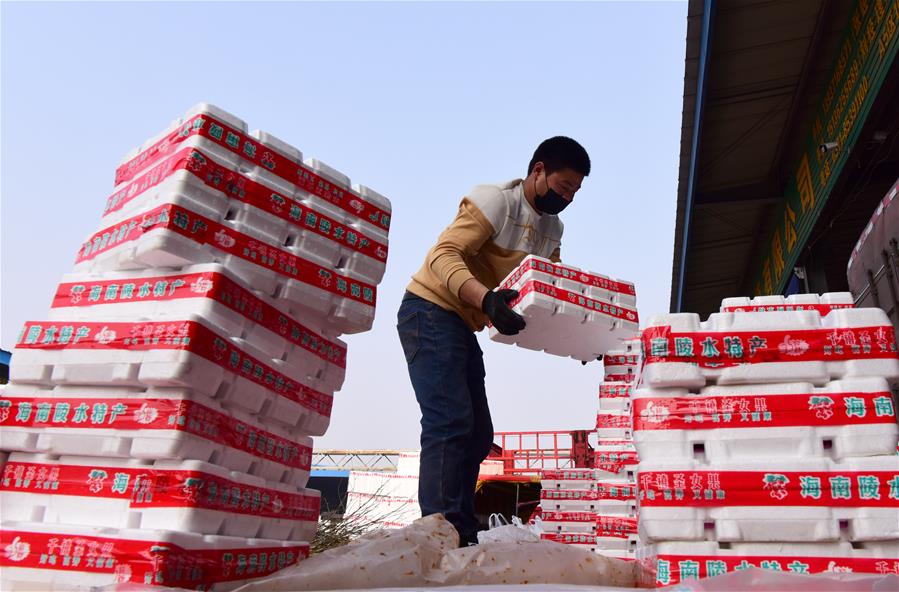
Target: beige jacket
{"x":494,"y":230}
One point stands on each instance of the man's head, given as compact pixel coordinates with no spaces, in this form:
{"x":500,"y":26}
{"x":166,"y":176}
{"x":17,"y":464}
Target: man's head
{"x":556,"y":170}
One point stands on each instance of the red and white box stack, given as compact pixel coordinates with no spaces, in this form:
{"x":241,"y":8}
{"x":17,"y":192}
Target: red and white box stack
{"x":597,"y":508}
{"x":593,"y":509}
{"x":767,"y":437}
{"x":621,"y":371}
{"x":570,"y":312}
{"x":159,"y":420}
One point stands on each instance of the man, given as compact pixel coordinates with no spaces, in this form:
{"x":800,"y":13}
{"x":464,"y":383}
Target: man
{"x":451,"y":297}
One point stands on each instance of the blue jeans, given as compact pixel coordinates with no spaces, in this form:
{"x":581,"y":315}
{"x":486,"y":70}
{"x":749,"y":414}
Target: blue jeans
{"x":446,"y":366}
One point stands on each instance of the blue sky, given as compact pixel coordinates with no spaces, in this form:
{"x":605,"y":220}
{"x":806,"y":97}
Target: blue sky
{"x":420,"y":101}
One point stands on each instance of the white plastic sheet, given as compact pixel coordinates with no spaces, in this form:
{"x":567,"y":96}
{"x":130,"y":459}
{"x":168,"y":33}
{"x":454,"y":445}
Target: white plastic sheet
{"x":426,"y":554}
{"x":765,"y":580}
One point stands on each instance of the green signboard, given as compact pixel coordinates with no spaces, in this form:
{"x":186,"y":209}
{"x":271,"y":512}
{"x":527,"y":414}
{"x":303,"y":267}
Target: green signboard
{"x":866,"y":53}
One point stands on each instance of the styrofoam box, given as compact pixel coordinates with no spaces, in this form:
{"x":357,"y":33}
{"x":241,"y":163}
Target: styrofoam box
{"x":569,"y":522}
{"x":630,"y":348}
{"x":566,"y":327}
{"x":368,"y":523}
{"x":260,"y":205}
{"x":265,"y":156}
{"x":616,"y":436}
{"x":587,"y":500}
{"x":381,"y":511}
{"x":624,"y":547}
{"x":601,"y":526}
{"x":583,"y":478}
{"x":626,"y":374}
{"x":628,"y":356}
{"x":147,"y":354}
{"x":620,"y":458}
{"x":383,"y":483}
{"x":709,"y":558}
{"x":617,"y":404}
{"x":156,"y":423}
{"x":573,"y":279}
{"x":174,"y":236}
{"x":408,"y":462}
{"x":64,"y":557}
{"x":823,"y":303}
{"x":599,"y":489}
{"x":846,"y":418}
{"x":614,"y":396}
{"x":590,"y":523}
{"x":787,"y":515}
{"x":187,"y":496}
{"x":614,"y":424}
{"x":818,"y":371}
{"x":209,"y":291}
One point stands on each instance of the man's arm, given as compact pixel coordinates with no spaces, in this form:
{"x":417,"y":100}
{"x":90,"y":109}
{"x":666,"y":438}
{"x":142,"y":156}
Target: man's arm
{"x":464,"y":236}
{"x":472,"y":292}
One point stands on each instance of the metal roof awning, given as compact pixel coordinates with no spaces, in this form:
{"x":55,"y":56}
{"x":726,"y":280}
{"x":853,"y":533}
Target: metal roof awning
{"x":754,"y":74}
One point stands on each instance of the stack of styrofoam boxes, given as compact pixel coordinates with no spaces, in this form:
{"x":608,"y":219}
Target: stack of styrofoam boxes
{"x":621,"y":370}
{"x":768,"y":439}
{"x":596,"y":508}
{"x":569,"y":312}
{"x":159,"y":421}
{"x":385,"y":499}
{"x":583,"y":315}
{"x":591,"y":508}
{"x":614,"y":451}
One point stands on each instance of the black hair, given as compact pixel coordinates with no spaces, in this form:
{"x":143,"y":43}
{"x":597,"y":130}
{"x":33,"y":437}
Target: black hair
{"x":561,"y":152}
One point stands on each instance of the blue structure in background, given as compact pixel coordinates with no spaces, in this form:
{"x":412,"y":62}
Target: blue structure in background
{"x":5,"y":356}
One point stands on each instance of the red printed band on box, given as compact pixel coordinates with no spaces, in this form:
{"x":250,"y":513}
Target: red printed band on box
{"x":616,"y":526}
{"x":615,"y":391}
{"x":206,"y":232}
{"x":839,"y":489}
{"x":150,"y":414}
{"x":200,"y":285}
{"x":146,"y":487}
{"x":606,"y":526}
{"x":621,"y":360}
{"x":573,"y":538}
{"x":243,"y":189}
{"x":603,"y":491}
{"x":614,"y":461}
{"x":590,"y":304}
{"x":610,"y":420}
{"x":763,"y":410}
{"x":821,"y":308}
{"x":672,"y":569}
{"x":568,"y":475}
{"x":569,"y":517}
{"x":587,"y":279}
{"x":157,"y":563}
{"x":607,"y":489}
{"x":248,"y":149}
{"x":181,"y":335}
{"x":730,"y":348}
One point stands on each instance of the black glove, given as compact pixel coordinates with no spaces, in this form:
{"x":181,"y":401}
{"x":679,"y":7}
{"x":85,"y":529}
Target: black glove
{"x":496,"y":306}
